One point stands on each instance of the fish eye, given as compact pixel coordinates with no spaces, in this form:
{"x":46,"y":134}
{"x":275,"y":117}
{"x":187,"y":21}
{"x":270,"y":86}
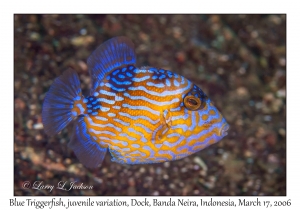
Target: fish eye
{"x":191,"y":102}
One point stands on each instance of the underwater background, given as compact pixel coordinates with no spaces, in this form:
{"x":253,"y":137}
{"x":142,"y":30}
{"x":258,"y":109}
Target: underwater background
{"x":239,"y":61}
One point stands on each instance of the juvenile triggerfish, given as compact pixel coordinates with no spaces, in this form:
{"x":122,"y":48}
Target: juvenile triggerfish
{"x":140,"y":115}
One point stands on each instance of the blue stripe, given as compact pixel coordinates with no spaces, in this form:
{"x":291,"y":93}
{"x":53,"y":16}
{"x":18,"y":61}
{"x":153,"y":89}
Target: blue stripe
{"x":167,"y":152}
{"x":194,"y":123}
{"x":154,"y":77}
{"x":120,"y":149}
{"x":143,"y":139}
{"x":150,"y":150}
{"x":158,"y":145}
{"x":175,"y":143}
{"x":121,"y":122}
{"x":81,"y":108}
{"x":108,"y":77}
{"x":101,"y":132}
{"x":114,"y":88}
{"x":136,"y":71}
{"x":107,"y":93}
{"x":185,"y":116}
{"x":120,"y":142}
{"x":166,"y":129}
{"x":104,"y":109}
{"x":151,"y":101}
{"x":184,"y":127}
{"x":160,"y":85}
{"x":128,"y":74}
{"x":119,"y":98}
{"x":121,"y":83}
{"x":124,"y":69}
{"x":148,"y":130}
{"x":175,"y":109}
{"x":136,"y":79}
{"x":141,"y":108}
{"x":101,"y":118}
{"x":129,"y":137}
{"x":106,"y":100}
{"x":92,"y":123}
{"x":173,"y":134}
{"x":103,"y":138}
{"x":163,"y":94}
{"x":111,"y":114}
{"x":137,"y":152}
{"x":139,"y":117}
{"x":116,"y":107}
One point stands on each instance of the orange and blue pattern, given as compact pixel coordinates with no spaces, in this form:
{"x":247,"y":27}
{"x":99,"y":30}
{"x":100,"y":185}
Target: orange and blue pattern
{"x":140,"y":115}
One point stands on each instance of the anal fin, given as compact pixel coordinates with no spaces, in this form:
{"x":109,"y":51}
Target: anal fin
{"x":87,"y":150}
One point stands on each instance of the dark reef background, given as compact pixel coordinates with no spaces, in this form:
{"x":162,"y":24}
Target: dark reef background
{"x":238,"y":60}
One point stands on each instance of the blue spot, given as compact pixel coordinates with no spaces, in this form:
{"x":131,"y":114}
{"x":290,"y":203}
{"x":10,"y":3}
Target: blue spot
{"x":160,"y":85}
{"x":135,"y":145}
{"x":111,"y":114}
{"x":116,"y":71}
{"x":176,"y":83}
{"x":162,"y":76}
{"x":121,"y":76}
{"x":77,"y":98}
{"x":168,"y":82}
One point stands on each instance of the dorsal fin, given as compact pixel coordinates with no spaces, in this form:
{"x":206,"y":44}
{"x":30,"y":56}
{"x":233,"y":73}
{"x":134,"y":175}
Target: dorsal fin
{"x":112,"y":54}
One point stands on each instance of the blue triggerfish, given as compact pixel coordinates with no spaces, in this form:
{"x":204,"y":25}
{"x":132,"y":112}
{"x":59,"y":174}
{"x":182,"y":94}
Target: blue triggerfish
{"x":140,"y":115}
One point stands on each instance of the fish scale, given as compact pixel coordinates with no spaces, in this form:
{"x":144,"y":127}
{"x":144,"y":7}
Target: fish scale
{"x":140,"y":115}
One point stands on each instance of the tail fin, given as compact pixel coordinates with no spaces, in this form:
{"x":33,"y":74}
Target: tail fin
{"x":59,"y":102}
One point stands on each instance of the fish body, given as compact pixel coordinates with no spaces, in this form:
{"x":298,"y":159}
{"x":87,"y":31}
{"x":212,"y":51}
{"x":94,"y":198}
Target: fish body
{"x":140,"y":115}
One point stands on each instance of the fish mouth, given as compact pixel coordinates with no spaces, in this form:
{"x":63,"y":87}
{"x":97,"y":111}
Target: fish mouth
{"x":224,"y":129}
